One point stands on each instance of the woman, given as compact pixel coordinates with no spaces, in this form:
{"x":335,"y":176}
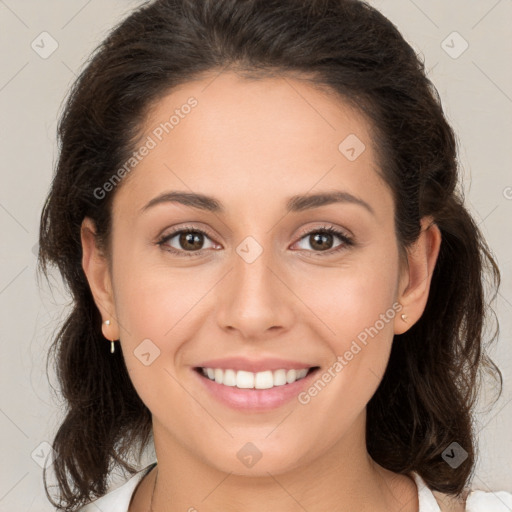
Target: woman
{"x":274,"y":276}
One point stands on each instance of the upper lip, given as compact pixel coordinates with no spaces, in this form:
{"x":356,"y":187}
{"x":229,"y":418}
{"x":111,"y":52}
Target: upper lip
{"x":254,"y":365}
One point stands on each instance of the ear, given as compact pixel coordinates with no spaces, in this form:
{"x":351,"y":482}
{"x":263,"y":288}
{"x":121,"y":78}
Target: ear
{"x":95,"y":266}
{"x":415,"y":280}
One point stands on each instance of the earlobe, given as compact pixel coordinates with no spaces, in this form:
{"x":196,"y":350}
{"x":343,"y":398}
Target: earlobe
{"x":95,"y":266}
{"x":415,"y":283}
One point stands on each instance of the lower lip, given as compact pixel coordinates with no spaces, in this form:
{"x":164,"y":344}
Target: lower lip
{"x":256,"y":399}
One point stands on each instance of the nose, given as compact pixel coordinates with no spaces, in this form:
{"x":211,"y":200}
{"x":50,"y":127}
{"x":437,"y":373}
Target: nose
{"x":255,"y":300}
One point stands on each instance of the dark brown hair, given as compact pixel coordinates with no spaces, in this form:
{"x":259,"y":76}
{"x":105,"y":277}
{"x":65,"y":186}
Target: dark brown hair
{"x":426,"y":398}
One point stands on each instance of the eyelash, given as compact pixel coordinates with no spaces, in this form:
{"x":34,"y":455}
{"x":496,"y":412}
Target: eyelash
{"x":347,"y":241}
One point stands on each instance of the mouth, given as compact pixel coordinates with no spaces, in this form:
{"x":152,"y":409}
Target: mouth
{"x":254,"y":391}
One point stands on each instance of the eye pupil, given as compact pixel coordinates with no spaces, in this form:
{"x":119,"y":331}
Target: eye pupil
{"x":319,"y":238}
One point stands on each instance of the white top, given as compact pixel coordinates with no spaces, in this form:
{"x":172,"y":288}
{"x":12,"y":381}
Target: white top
{"x":119,"y":499}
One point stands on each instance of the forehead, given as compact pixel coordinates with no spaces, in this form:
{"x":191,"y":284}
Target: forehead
{"x":264,"y":137}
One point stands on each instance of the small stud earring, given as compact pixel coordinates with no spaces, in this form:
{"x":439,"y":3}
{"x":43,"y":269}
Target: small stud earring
{"x":404,"y":318}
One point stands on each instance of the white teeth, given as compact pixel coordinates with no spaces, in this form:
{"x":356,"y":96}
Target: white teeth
{"x":244,"y":379}
{"x":249,"y":380}
{"x":279,"y":377}
{"x":229,"y":378}
{"x":291,"y":376}
{"x":264,"y":380}
{"x":302,"y":373}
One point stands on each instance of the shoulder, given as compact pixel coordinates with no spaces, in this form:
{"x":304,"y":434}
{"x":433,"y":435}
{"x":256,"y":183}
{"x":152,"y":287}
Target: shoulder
{"x":470,"y":500}
{"x":119,"y":499}
{"x":475,"y":501}
{"x":489,"y":501}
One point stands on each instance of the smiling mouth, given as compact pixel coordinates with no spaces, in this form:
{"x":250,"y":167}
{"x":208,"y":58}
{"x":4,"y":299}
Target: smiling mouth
{"x":249,"y":380}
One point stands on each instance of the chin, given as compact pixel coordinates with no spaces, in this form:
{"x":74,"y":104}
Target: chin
{"x":251,"y":461}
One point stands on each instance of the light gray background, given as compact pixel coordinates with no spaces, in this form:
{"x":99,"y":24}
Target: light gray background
{"x":476,"y":90}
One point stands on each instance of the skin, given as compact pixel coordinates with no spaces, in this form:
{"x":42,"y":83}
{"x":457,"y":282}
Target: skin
{"x":252,"y":145}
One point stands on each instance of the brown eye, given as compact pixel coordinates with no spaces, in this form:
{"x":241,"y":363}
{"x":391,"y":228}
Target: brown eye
{"x":321,"y":240}
{"x":185,"y":241}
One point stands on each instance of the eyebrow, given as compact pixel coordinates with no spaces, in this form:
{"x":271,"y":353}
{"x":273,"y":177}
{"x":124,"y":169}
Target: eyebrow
{"x":297,"y":203}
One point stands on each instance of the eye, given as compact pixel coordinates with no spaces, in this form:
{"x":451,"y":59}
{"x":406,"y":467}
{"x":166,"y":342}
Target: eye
{"x":190,"y":241}
{"x":321,"y":240}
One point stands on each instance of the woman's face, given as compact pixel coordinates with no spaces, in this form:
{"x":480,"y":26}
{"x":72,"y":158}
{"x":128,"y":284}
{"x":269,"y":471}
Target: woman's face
{"x":253,"y":278}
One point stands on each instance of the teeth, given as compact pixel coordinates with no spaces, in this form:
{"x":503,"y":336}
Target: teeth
{"x":249,"y":380}
{"x":244,"y":380}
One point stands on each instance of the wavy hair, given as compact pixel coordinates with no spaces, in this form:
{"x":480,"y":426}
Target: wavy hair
{"x":427,"y":395}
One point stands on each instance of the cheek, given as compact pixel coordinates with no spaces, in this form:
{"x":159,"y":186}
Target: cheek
{"x":160,"y":309}
{"x":151,"y":296}
{"x":356,"y":308}
{"x":152,"y":315}
{"x":360,"y":321}
{"x":352,"y":298}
